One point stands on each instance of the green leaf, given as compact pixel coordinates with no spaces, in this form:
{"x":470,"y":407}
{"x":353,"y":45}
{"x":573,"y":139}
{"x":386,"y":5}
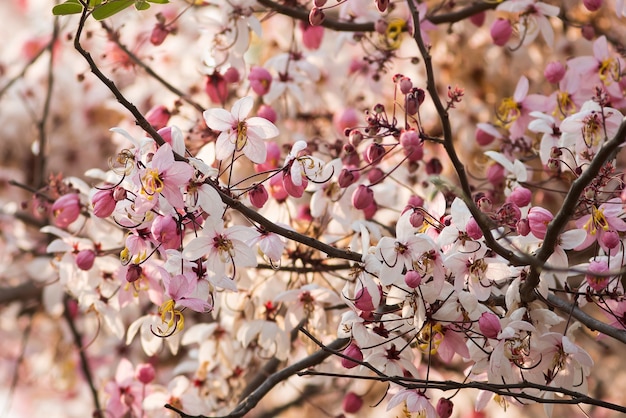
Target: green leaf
{"x":94,"y":3}
{"x":142,"y":5}
{"x":159,"y":1}
{"x":109,"y":9}
{"x":70,"y":7}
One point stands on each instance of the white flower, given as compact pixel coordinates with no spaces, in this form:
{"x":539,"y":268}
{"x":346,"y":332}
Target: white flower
{"x":238,"y":133}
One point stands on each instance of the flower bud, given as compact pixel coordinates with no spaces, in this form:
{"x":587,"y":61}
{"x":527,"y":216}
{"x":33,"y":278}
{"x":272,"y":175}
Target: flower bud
{"x":509,"y":214}
{"x":352,"y":403}
{"x":216,"y":88}
{"x":406,"y":85}
{"x":158,"y":117}
{"x":523,"y":227}
{"x":145,"y":373}
{"x":375,"y":175}
{"x":501,"y":31}
{"x":85,"y":259}
{"x":472,"y":229}
{"x":414,"y":100}
{"x":592,"y":5}
{"x":319,"y":3}
{"x":103,"y":203}
{"x":538,"y":220}
{"x":412,"y":279}
{"x":166,"y":231}
{"x":554,"y":72}
{"x":495,"y":174}
{"x":354,"y":352}
{"x":362,"y":197}
{"x":412,"y":145}
{"x":434,"y":167}
{"x":267,"y":112}
{"x":444,"y":408}
{"x":610,"y":240}
{"x":316,"y":16}
{"x":416,"y":219}
{"x":231,"y":75}
{"x":374,"y":153}
{"x":489,"y":324}
{"x":258,"y":196}
{"x":291,"y":188}
{"x":260,"y":80}
{"x":159,"y":33}
{"x":312,"y":36}
{"x":370,"y":211}
{"x":521,"y":196}
{"x":478,"y":19}
{"x":345,"y":119}
{"x":363,"y":300}
{"x":66,"y":209}
{"x":133,"y":273}
{"x":347,"y":177}
{"x":588,"y":32}
{"x":483,"y":138}
{"x":596,"y":277}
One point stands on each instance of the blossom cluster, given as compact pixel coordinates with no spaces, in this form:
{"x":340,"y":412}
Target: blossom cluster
{"x":274,"y":211}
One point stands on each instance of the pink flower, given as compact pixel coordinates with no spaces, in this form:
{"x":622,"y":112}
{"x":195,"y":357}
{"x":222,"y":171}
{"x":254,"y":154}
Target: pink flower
{"x":260,"y":80}
{"x":538,"y":220}
{"x":166,"y":176}
{"x":600,"y":221}
{"x":415,"y":401}
{"x":166,"y":231}
{"x":125,"y":393}
{"x":66,"y":209}
{"x":597,"y":277}
{"x":239,"y":134}
{"x":181,"y":289}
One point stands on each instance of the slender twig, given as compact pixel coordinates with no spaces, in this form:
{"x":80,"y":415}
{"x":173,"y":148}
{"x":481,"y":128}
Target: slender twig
{"x":115,"y":38}
{"x":18,"y":363}
{"x":84,"y":362}
{"x":608,"y":150}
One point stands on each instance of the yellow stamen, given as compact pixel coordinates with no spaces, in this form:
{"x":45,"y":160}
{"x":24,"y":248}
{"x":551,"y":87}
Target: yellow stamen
{"x":508,"y":111}
{"x":172,"y":317}
{"x":430,"y":337}
{"x":394,"y":32}
{"x":152,"y":183}
{"x":242,"y":136}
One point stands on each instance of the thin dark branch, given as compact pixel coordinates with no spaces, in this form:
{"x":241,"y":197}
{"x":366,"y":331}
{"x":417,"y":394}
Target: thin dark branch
{"x":527,"y":290}
{"x":84,"y":363}
{"x":115,"y":38}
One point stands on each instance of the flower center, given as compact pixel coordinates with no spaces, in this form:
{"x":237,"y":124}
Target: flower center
{"x":152,"y":183}
{"x":508,"y":111}
{"x":242,"y":135}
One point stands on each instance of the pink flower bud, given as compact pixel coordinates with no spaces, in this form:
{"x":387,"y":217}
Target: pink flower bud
{"x":412,"y":145}
{"x":412,"y":279}
{"x":501,"y":31}
{"x":345,"y":119}
{"x":364,"y":301}
{"x":85,"y":259}
{"x":316,"y":16}
{"x":521,"y":196}
{"x":273,"y":156}
{"x":355,"y":137}
{"x":592,"y":5}
{"x":483,"y":138}
{"x":588,"y":32}
{"x":258,"y":196}
{"x":267,"y":112}
{"x":382,"y":5}
{"x":319,"y":3}
{"x":216,"y":88}
{"x":277,"y":189}
{"x":291,"y":188}
{"x":166,"y":231}
{"x":374,"y":153}
{"x":312,"y":36}
{"x":145,"y":373}
{"x":416,"y":219}
{"x":444,"y":408}
{"x":159,"y":33}
{"x":610,"y":239}
{"x":495,"y":174}
{"x":133,"y":273}
{"x":434,"y":167}
{"x":538,"y":220}
{"x":103,"y":203}
{"x":352,"y":403}
{"x":362,"y":197}
{"x":158,"y":117}
{"x":478,"y":19}
{"x":489,"y":324}
{"x":596,"y":277}
{"x":354,"y":352}
{"x":375,"y":175}
{"x":523,"y":227}
{"x":348,"y":177}
{"x":166,"y":134}
{"x":119,"y":194}
{"x":406,"y":85}
{"x":380,"y":26}
{"x":231,"y":75}
{"x":260,"y":80}
{"x":66,"y":209}
{"x":413,"y":100}
{"x":473,"y":230}
{"x":370,"y":211}
{"x":554,"y":72}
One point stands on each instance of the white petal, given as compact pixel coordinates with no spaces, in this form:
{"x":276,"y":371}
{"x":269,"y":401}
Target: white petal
{"x":219,"y":119}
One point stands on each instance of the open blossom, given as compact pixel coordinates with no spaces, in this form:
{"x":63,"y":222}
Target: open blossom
{"x":533,"y":19}
{"x":414,"y":401}
{"x":601,"y":221}
{"x":240,"y":133}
